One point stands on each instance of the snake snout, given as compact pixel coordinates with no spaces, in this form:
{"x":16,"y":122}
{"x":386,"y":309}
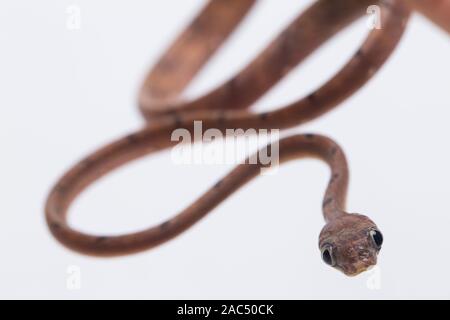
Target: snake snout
{"x":364,"y":259}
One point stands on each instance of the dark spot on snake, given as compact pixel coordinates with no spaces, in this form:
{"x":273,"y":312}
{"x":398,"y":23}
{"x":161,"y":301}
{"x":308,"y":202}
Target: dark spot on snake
{"x":171,"y":111}
{"x":55,"y":226}
{"x":132,"y":138}
{"x":177,"y":120}
{"x":221,"y":118}
{"x":218,"y":184}
{"x":264,"y":116}
{"x":333,"y":151}
{"x":334,"y":177}
{"x":86,"y":163}
{"x":200,"y":24}
{"x":288,"y":45}
{"x":327,"y":202}
{"x":164,"y":225}
{"x":231,"y":88}
{"x":309,"y":136}
{"x":61,"y":189}
{"x":101,"y":239}
{"x":312,"y":98}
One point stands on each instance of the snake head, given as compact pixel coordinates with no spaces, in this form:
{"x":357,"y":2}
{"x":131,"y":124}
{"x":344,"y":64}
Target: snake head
{"x":350,"y":243}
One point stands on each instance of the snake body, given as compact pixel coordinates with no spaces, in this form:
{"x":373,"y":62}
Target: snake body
{"x":348,"y":242}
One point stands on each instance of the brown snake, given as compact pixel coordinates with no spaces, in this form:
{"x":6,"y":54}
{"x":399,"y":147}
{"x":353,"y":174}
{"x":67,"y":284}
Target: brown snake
{"x":348,"y":242}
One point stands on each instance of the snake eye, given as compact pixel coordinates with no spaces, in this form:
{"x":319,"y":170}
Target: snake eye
{"x":376,"y":237}
{"x":327,"y":255}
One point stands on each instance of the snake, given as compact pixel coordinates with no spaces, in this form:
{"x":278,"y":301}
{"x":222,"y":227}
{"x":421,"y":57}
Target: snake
{"x":348,"y":242}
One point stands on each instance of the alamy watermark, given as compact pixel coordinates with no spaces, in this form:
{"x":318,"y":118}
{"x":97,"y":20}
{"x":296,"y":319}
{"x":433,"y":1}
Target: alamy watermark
{"x":373,"y":281}
{"x":73,"y":280}
{"x":374,"y":20}
{"x":227,"y":149}
{"x":73,"y":21}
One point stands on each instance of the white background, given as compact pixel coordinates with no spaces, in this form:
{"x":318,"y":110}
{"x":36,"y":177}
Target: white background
{"x":65,"y":93}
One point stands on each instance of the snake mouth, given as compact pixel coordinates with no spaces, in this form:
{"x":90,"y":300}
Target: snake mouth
{"x":358,"y":268}
{"x":357,"y":273}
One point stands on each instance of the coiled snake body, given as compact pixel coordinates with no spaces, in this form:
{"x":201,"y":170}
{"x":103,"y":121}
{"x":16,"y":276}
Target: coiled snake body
{"x":348,"y":242}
